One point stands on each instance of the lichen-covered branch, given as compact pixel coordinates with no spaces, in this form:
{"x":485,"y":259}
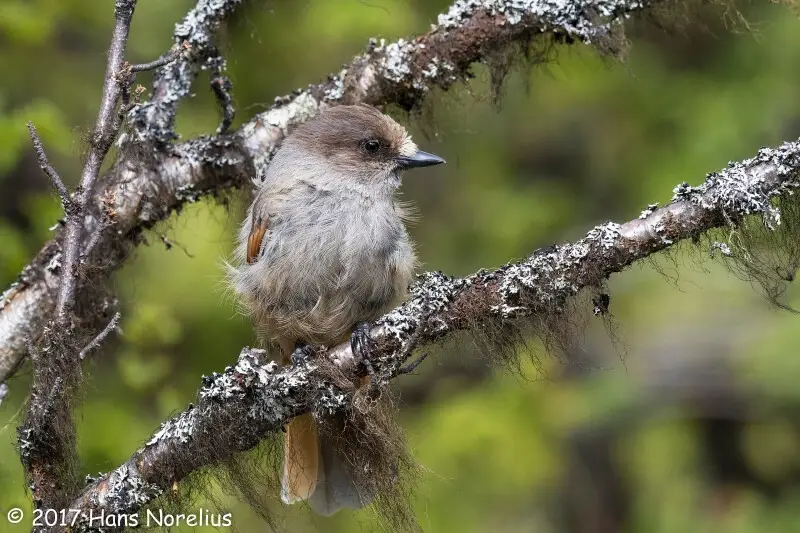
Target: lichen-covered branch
{"x":154,"y":121}
{"x":148,"y":183}
{"x":254,"y":398}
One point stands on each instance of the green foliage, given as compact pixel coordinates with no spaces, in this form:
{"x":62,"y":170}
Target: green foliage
{"x":574,"y":143}
{"x":14,"y":132}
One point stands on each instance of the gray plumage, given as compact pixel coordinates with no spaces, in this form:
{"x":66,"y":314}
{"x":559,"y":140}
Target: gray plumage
{"x":324,"y":247}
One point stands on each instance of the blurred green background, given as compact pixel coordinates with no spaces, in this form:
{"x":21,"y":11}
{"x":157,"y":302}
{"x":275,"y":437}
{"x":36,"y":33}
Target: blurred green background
{"x":690,"y":423}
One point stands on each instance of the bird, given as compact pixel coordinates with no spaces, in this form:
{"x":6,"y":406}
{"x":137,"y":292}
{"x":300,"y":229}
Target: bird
{"x":323,"y":251}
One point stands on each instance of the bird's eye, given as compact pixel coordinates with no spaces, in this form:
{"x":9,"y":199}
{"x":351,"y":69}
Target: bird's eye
{"x":372,"y":146}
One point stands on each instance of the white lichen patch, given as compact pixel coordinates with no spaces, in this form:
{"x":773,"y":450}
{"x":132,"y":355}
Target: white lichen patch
{"x":180,"y":429}
{"x":155,"y":120}
{"x":547,"y":278}
{"x":396,"y":59}
{"x":126,"y":490}
{"x":582,"y":20}
{"x":722,"y":248}
{"x":605,"y":235}
{"x":394,"y":62}
{"x":195,"y":26}
{"x":54,"y":265}
{"x":268,"y":395}
{"x":329,"y":400}
{"x":301,"y":108}
{"x":660,"y":230}
{"x":431,"y":295}
{"x":747,"y":187}
{"x":336,"y":91}
{"x":649,"y":211}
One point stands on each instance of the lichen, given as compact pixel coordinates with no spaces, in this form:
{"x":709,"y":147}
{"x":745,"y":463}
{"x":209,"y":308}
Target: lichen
{"x":335,"y":91}
{"x":744,"y":188}
{"x":430,"y":296}
{"x":54,"y":265}
{"x":155,"y":120}
{"x":547,"y":277}
{"x":582,"y":20}
{"x":181,"y":428}
{"x":126,"y":490}
{"x":396,"y":62}
{"x":259,"y":383}
{"x":722,"y":248}
{"x":649,"y":211}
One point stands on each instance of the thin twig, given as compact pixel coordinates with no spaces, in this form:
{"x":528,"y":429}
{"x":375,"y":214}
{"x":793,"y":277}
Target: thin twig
{"x":93,"y":241}
{"x":410,"y":367}
{"x":221,"y":86}
{"x":97,"y":341}
{"x":166,"y":59}
{"x":46,"y":167}
{"x":169,"y":244}
{"x":102,"y":138}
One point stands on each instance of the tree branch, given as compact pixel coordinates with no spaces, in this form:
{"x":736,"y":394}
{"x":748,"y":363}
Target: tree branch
{"x":47,"y":436}
{"x":101,"y":140}
{"x":154,"y":121}
{"x":166,"y":59}
{"x":148,"y":185}
{"x":254,"y":398}
{"x":47,"y":168}
{"x":101,"y":337}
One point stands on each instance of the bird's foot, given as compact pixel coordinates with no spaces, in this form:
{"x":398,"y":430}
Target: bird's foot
{"x":302,"y":353}
{"x":362,"y":345}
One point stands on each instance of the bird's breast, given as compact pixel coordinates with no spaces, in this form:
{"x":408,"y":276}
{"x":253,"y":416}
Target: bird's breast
{"x":334,"y":264}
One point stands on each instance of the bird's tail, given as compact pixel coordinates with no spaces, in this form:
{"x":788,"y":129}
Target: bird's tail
{"x":300,"y":459}
{"x":314,"y":470}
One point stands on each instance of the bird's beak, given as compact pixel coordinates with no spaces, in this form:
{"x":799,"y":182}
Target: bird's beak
{"x":419,"y":159}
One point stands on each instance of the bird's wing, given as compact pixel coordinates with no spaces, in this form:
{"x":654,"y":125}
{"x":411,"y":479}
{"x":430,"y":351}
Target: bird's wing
{"x":258,"y":230}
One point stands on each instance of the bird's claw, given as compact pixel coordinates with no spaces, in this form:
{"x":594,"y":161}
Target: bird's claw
{"x":361,"y":344}
{"x":301,"y":354}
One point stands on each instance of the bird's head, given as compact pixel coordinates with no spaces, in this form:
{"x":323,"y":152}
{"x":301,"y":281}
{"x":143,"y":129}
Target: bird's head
{"x":359,"y":143}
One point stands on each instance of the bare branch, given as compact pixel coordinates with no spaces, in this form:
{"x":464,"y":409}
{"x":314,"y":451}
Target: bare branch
{"x":403,"y":73}
{"x":410,"y":367}
{"x":253,"y":398}
{"x":166,"y":59}
{"x":47,"y":168}
{"x":101,"y":337}
{"x":101,"y":140}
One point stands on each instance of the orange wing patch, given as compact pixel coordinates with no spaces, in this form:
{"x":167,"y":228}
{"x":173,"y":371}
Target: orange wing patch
{"x":257,"y":232}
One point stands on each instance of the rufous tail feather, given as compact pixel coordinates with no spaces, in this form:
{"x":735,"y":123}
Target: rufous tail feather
{"x":300,"y":459}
